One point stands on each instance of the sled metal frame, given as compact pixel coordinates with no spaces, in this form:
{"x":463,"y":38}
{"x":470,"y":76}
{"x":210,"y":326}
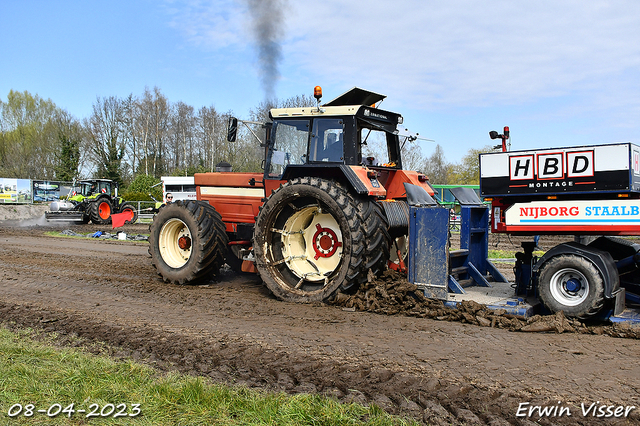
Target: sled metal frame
{"x":459,"y":275}
{"x":432,"y":266}
{"x":67,"y":216}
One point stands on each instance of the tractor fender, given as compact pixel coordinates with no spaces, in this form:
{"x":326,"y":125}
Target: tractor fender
{"x":357,"y":177}
{"x":601,"y":259}
{"x":363,"y":180}
{"x":100,"y":197}
{"x":397,"y":178}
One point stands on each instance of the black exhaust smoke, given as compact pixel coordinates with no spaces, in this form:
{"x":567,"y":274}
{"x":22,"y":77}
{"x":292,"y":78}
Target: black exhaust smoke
{"x":268,"y":26}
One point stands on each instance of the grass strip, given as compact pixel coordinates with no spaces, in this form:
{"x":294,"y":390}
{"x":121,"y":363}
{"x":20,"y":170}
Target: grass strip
{"x":42,"y":375}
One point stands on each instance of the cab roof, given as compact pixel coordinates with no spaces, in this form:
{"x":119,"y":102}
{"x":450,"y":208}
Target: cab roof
{"x":94,"y":180}
{"x":356,"y":96}
{"x":349,"y":103}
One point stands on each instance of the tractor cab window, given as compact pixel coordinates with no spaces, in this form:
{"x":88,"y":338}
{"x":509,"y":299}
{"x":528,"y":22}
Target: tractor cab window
{"x":289,"y":144}
{"x":104,"y":188}
{"x":374,"y":145}
{"x":327,"y":140}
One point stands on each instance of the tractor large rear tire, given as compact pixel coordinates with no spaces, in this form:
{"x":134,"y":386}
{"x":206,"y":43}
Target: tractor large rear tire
{"x":101,"y":210}
{"x":571,"y":284}
{"x":309,"y":241}
{"x":187,"y":242}
{"x":378,"y":240}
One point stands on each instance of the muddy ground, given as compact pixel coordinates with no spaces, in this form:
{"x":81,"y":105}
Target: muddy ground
{"x":105,"y":295}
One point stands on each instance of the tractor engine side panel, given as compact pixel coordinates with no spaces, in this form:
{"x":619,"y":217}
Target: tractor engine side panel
{"x":394,"y":180}
{"x":236,"y":196}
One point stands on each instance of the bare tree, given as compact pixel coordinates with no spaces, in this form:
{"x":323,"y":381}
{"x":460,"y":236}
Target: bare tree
{"x":437,"y":167}
{"x":106,"y":137}
{"x":152,"y":126}
{"x":412,"y":158}
{"x":129,"y":111}
{"x":182,"y":135}
{"x":207,"y":127}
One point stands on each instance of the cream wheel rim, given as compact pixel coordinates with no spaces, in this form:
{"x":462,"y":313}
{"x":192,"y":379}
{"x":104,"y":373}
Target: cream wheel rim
{"x":175,"y":243}
{"x":312,"y":244}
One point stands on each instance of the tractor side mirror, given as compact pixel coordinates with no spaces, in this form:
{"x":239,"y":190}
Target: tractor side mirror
{"x":232,"y":129}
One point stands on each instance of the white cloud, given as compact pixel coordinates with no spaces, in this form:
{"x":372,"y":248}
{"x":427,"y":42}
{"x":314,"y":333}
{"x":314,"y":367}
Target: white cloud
{"x":210,"y":25}
{"x":465,"y":52}
{"x":552,"y":66}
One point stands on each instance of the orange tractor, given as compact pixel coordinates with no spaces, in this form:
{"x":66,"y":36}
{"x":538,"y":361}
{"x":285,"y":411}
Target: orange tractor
{"x":329,"y":208}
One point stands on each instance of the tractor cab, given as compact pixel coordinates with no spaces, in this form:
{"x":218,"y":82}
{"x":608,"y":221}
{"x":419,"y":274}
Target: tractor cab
{"x":97,"y":186}
{"x":345,"y":131}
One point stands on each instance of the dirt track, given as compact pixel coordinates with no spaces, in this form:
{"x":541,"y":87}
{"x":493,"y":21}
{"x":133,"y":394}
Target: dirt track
{"x":235,"y":331}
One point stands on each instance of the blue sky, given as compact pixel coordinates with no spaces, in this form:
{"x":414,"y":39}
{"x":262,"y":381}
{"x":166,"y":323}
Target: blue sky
{"x":560,"y":72}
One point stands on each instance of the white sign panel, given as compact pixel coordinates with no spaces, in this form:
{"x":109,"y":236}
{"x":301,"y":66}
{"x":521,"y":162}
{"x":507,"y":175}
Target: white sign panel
{"x":597,"y":213}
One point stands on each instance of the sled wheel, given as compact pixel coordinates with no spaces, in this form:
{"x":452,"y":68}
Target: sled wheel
{"x":571,"y":284}
{"x":309,"y":241}
{"x":101,"y":211}
{"x":187,"y":242}
{"x":128,"y":208}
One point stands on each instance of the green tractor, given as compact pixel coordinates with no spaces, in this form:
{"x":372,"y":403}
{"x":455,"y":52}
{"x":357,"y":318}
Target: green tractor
{"x":92,"y":200}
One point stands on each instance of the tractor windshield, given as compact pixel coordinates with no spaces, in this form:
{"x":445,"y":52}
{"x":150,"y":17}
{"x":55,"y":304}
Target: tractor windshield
{"x":290,"y":139}
{"x":85,"y":189}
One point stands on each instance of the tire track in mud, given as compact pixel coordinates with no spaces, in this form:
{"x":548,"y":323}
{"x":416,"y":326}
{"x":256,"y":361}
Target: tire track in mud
{"x":235,"y":332}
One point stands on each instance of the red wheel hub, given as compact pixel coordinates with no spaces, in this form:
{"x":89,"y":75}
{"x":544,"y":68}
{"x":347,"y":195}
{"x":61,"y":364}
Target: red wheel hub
{"x":104,"y":211}
{"x":184,"y":242}
{"x":325,"y":242}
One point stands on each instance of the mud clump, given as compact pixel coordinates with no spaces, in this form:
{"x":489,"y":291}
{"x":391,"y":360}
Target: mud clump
{"x":392,"y":294}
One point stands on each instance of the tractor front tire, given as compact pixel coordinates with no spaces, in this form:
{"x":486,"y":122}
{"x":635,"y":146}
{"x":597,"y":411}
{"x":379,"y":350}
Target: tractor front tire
{"x":187,"y":242}
{"x":571,"y":284}
{"x":101,"y":210}
{"x":309,"y":241}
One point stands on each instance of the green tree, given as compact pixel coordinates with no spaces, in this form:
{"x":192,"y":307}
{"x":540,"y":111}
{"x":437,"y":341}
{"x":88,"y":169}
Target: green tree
{"x":27,"y":136}
{"x":467,"y":172}
{"x":143,"y":186}
{"x":70,"y":135}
